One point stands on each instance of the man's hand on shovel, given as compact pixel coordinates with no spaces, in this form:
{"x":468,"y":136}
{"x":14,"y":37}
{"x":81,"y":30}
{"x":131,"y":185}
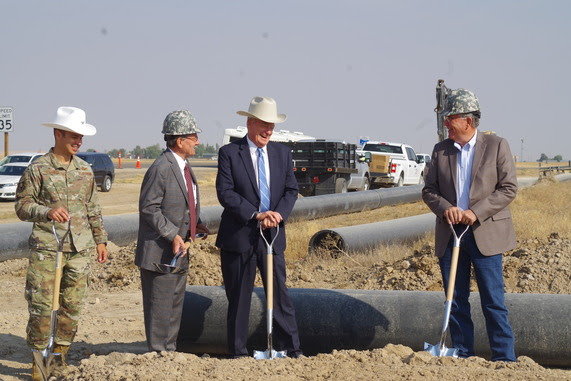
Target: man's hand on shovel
{"x":454,"y":215}
{"x":178,"y":246}
{"x":59,"y":214}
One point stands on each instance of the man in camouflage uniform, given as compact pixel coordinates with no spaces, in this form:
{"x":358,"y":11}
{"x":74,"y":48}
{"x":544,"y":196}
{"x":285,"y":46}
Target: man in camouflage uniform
{"x":58,"y":187}
{"x":471,"y":181}
{"x":169,"y":215}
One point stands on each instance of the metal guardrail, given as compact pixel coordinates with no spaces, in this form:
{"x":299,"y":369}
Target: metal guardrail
{"x":553,"y":169}
{"x":548,"y":170}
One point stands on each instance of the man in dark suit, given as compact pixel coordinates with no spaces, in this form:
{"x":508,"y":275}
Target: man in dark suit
{"x":471,"y":181}
{"x":242,"y":167}
{"x":169,"y":210}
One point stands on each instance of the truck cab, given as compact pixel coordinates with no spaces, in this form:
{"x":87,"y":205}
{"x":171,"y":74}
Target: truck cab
{"x":392,"y":164}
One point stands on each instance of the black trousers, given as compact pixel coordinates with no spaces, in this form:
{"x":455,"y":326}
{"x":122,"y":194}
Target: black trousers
{"x":239,"y":272}
{"x":163,"y":299}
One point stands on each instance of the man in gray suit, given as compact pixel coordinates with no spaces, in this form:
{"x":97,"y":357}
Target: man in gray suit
{"x":471,"y":181}
{"x":169,"y":210}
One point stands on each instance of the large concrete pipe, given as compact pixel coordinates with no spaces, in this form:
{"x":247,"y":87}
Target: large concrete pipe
{"x":308,"y":208}
{"x":368,"y":236}
{"x":368,"y":319}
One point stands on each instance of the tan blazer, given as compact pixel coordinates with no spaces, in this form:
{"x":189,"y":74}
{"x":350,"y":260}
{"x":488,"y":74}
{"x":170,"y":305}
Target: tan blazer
{"x":493,"y":187}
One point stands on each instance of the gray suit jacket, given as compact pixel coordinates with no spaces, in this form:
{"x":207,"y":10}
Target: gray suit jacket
{"x":163,"y":212}
{"x":493,"y":187}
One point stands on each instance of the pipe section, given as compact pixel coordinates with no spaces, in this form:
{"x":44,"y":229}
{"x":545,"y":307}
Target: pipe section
{"x":368,"y":236}
{"x":368,"y":319}
{"x":307,"y":208}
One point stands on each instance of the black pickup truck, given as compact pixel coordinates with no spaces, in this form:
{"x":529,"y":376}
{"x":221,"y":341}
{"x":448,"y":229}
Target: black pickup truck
{"x":323,"y":167}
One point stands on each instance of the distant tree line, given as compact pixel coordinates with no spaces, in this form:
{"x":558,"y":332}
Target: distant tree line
{"x":543,"y":157}
{"x":152,"y":152}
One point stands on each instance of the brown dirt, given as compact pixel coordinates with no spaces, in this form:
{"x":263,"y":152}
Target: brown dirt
{"x":110,"y":342}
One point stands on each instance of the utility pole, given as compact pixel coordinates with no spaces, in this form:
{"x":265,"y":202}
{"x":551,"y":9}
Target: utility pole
{"x":521,"y":153}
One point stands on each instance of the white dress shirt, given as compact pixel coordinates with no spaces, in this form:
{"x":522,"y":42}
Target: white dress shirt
{"x":182,"y":163}
{"x":464,"y":172}
{"x":254,"y":155}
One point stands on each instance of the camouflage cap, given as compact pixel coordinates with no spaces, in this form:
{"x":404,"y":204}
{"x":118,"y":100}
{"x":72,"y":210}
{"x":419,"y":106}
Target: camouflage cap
{"x":461,"y":101}
{"x":180,"y":122}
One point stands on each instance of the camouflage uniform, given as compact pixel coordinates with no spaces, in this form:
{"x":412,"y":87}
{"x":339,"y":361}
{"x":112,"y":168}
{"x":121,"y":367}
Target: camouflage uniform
{"x":48,"y":184}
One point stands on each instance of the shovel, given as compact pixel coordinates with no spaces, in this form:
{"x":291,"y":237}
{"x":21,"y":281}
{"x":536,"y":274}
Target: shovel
{"x":172,"y":268}
{"x":45,"y":358}
{"x":270,"y":353}
{"x":441,"y":350}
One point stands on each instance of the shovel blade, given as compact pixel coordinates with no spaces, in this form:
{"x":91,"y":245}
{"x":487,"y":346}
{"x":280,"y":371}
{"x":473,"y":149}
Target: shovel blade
{"x":269,"y":354}
{"x":44,"y":360}
{"x":440,"y":350}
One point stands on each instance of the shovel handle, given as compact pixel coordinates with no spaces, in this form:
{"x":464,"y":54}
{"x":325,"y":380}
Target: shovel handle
{"x":454,"y":263}
{"x":59,"y":259}
{"x":452,"y":275}
{"x":57,"y":281}
{"x":269,"y":275}
{"x":270,"y":282}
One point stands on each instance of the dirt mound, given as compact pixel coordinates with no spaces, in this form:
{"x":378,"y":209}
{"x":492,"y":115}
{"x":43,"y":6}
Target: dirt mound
{"x":389,"y":363}
{"x":536,"y":266}
{"x":119,"y":273}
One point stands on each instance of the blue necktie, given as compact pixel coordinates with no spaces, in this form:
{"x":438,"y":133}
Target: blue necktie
{"x":263,"y":183}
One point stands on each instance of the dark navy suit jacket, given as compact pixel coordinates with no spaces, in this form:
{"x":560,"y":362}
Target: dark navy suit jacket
{"x":238,"y":193}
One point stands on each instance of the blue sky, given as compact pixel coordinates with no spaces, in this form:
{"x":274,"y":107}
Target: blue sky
{"x":338,"y":69}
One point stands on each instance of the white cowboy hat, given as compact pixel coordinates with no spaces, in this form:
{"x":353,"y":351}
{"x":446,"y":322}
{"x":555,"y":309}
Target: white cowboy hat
{"x":72,"y":119}
{"x":265,"y":109}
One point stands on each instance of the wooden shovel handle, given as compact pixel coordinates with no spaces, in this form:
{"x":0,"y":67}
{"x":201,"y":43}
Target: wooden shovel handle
{"x":452,"y":275}
{"x":57,"y":281}
{"x":270,"y":281}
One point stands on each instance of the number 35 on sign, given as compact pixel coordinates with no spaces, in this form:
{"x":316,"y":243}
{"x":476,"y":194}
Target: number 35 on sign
{"x":6,"y":120}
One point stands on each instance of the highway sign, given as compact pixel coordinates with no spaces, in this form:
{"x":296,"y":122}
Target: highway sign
{"x":6,"y":119}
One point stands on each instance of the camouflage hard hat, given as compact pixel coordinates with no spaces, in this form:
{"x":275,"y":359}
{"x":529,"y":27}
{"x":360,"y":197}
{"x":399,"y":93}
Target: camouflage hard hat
{"x":180,"y":122}
{"x":461,"y":101}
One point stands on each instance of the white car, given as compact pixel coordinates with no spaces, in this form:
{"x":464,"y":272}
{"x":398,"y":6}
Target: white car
{"x":424,"y":156}
{"x":9,"y":177}
{"x":26,"y":157}
{"x":424,"y":159}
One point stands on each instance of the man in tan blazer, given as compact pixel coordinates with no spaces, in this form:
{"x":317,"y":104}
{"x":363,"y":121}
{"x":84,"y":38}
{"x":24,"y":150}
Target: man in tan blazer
{"x":471,"y":181}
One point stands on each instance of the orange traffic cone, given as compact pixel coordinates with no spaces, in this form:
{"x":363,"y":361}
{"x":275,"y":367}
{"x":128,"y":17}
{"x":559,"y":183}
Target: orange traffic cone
{"x":119,"y":166}
{"x":138,"y":165}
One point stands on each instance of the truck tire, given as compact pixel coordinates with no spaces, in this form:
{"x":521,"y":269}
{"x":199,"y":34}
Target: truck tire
{"x":106,"y":184}
{"x":367,"y":184}
{"x":340,"y":185}
{"x":401,"y":180}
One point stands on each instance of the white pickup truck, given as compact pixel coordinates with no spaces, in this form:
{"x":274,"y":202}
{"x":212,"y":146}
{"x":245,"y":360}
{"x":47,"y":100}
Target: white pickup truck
{"x":392,"y":164}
